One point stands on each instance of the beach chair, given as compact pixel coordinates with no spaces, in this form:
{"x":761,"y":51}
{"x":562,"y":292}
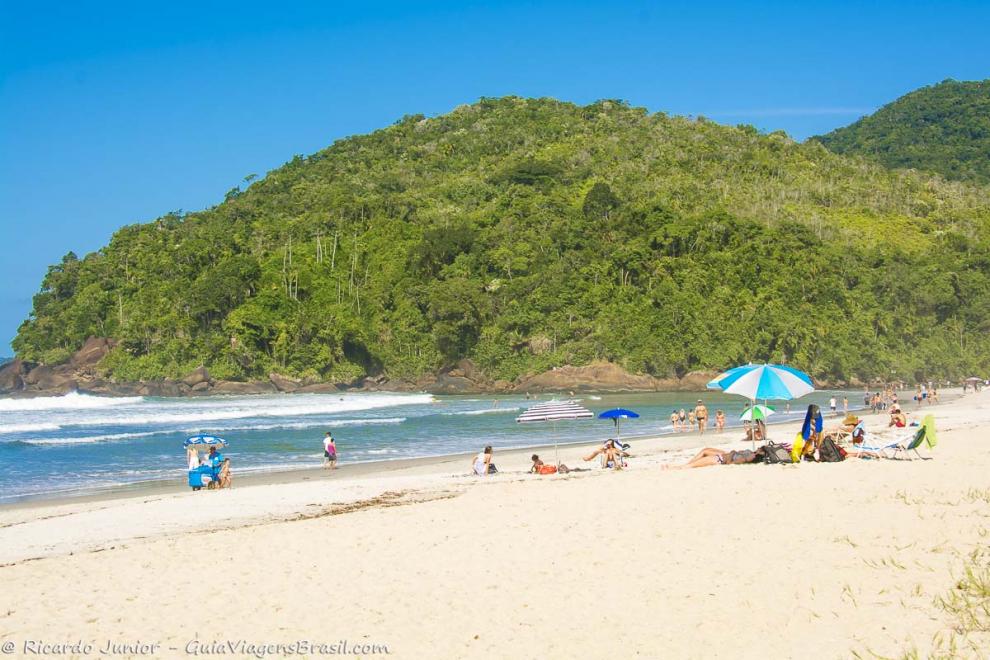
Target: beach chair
{"x":901,"y":446}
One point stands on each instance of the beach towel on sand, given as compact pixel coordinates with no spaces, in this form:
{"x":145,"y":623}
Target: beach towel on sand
{"x":930,"y":438}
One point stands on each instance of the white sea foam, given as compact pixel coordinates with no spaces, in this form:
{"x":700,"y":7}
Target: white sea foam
{"x":70,"y":401}
{"x":180,"y":413}
{"x":85,"y":440}
{"x":483,"y":411}
{"x":28,"y":427}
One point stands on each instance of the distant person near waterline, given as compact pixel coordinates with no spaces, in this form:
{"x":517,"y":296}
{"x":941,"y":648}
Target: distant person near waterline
{"x":682,"y":416}
{"x":701,"y":416}
{"x":831,"y":404}
{"x":719,"y":421}
{"x":845,"y":405}
{"x":675,"y":421}
{"x":329,"y":452}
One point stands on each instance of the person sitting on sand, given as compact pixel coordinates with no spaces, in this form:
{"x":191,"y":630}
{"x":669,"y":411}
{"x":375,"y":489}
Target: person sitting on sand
{"x":719,"y":421}
{"x":611,"y":449}
{"x":897,"y":418}
{"x":757,"y":433}
{"x":711,"y":456}
{"x":482,"y":464}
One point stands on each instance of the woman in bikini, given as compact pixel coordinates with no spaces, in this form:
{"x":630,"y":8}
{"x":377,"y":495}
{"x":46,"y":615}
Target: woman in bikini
{"x":711,"y":456}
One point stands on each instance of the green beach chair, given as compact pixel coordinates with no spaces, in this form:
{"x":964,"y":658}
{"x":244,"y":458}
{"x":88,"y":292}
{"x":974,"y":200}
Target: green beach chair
{"x":901,"y":448}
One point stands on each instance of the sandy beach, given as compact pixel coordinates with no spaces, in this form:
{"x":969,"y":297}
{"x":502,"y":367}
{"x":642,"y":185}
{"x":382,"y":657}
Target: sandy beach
{"x":810,"y":560}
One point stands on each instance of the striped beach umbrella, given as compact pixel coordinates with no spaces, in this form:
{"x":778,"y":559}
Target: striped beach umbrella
{"x":554,"y":411}
{"x":759,"y":411}
{"x":764,"y":381}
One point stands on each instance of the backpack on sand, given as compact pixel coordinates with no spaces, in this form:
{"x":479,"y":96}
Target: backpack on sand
{"x":828,"y":452}
{"x":776,"y":453}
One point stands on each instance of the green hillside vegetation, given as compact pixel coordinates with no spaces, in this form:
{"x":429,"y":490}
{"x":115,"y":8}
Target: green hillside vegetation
{"x":530,"y":233}
{"x":944,"y":128}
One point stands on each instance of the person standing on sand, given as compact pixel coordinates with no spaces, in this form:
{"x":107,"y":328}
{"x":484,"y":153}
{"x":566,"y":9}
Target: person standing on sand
{"x":701,"y":415}
{"x":831,"y":404}
{"x":682,"y":416}
{"x":845,"y":405}
{"x":329,"y":452}
{"x":719,"y":421}
{"x":675,"y":421}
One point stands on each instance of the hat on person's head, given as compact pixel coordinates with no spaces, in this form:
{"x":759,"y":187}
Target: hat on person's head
{"x":699,"y":400}
{"x":851,"y":419}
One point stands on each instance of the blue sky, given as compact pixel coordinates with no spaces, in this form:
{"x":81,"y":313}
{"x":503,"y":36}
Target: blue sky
{"x":115,"y":113}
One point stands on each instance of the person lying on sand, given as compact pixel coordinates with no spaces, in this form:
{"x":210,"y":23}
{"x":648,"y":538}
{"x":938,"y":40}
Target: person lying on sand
{"x":539,"y":467}
{"x":712,"y":456}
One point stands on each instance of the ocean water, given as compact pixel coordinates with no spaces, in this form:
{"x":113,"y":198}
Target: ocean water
{"x":78,"y":443}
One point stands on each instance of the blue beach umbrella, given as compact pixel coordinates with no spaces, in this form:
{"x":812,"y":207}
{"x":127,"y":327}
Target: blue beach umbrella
{"x":617,"y":414}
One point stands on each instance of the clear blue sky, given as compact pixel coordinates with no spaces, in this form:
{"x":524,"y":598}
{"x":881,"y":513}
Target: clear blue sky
{"x":114,"y":113}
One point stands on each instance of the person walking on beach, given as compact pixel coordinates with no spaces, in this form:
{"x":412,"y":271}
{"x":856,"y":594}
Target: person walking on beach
{"x":831,"y":404}
{"x":701,"y":416}
{"x":845,"y":405}
{"x":329,"y":452}
{"x":719,"y":421}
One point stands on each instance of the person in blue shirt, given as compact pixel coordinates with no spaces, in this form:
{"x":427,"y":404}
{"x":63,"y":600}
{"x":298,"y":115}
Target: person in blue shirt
{"x":215,"y":460}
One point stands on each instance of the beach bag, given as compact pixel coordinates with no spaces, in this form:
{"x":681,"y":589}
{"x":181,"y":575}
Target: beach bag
{"x":547,"y":469}
{"x":492,"y":469}
{"x":828,"y":452}
{"x":776,"y":454}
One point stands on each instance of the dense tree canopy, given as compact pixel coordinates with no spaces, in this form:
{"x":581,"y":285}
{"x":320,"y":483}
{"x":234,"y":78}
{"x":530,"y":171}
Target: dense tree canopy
{"x":531,"y":233}
{"x":944,"y":128}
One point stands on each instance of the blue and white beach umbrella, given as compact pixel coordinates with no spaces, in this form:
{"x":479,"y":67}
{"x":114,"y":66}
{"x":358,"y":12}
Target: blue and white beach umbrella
{"x":204,"y":442}
{"x":764,"y":381}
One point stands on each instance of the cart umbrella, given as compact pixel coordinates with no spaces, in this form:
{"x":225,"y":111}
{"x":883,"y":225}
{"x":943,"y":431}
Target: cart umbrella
{"x":554,"y":411}
{"x":204,"y":442}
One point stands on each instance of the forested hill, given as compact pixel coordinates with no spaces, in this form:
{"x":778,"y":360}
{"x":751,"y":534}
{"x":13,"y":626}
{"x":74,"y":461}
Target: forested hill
{"x":944,"y":128}
{"x":530,"y":233}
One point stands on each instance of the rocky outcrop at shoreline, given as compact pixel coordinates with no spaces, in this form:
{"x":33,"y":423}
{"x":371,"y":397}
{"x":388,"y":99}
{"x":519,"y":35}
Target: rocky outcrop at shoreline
{"x":80,"y":374}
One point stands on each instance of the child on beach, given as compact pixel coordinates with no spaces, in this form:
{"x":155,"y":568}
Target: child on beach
{"x":539,"y":467}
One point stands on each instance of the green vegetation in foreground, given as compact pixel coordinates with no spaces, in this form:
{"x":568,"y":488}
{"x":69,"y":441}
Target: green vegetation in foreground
{"x":530,"y":233}
{"x":944,"y":128}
